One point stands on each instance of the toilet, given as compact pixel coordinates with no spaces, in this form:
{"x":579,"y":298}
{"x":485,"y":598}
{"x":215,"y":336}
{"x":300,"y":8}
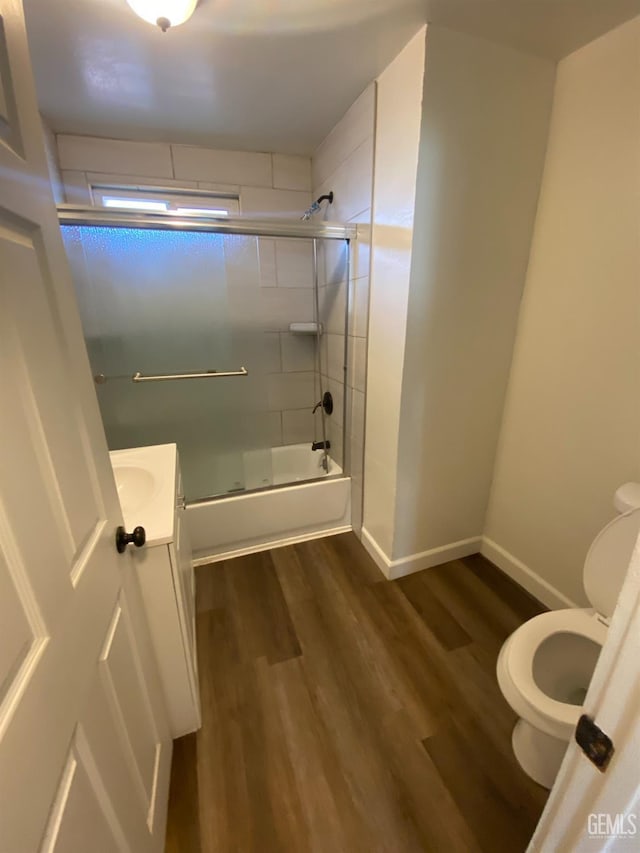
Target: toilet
{"x":545,"y":666}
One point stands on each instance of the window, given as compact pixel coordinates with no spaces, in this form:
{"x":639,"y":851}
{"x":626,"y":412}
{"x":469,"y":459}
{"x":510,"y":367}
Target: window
{"x":163,"y":199}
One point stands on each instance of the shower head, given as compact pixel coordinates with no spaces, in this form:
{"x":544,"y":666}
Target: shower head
{"x":316,"y":206}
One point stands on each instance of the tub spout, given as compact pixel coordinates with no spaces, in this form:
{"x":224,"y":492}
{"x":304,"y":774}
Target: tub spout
{"x":321,"y":445}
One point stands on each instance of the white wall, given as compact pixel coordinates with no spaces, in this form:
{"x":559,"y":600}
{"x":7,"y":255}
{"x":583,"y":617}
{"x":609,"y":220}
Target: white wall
{"x":395,"y":167}
{"x":485,"y":123}
{"x":343,"y":163}
{"x":267,"y":183}
{"x":571,"y":429}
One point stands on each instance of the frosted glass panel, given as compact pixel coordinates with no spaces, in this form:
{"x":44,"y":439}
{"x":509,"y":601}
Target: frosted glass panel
{"x":179,"y":302}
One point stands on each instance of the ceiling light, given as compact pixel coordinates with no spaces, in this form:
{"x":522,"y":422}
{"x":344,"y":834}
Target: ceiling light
{"x":164,"y":13}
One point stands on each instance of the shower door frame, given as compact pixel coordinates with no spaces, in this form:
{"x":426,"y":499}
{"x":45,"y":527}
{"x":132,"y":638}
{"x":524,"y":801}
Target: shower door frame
{"x":73,"y":214}
{"x":80,"y":215}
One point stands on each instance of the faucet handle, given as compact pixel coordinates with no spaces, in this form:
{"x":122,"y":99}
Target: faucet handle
{"x":326,"y":403}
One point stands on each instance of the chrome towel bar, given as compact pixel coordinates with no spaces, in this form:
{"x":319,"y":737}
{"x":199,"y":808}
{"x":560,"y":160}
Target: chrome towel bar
{"x":208,"y":374}
{"x":100,"y":378}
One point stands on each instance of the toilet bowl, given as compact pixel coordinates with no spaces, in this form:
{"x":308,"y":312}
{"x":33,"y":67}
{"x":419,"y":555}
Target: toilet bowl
{"x":545,"y":666}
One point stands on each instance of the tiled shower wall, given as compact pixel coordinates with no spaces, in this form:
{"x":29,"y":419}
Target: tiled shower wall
{"x":267,"y":185}
{"x":344,"y":163}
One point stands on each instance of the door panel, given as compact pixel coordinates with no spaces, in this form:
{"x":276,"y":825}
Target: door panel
{"x":54,"y":446}
{"x":21,"y":632}
{"x":43,"y":369}
{"x":81,"y":810}
{"x":84,"y":744}
{"x":9,"y":124}
{"x":126,"y":690}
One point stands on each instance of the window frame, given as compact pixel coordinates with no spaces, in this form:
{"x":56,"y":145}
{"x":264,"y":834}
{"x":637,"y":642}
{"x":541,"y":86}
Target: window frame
{"x":177,"y":199}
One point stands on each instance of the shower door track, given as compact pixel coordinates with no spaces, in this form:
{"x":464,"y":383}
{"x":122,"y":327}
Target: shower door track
{"x":238,"y":493}
{"x":70,"y":214}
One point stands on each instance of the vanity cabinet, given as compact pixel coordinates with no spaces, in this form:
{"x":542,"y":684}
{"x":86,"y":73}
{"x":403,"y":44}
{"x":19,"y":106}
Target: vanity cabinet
{"x":167,"y":583}
{"x":165,"y":573}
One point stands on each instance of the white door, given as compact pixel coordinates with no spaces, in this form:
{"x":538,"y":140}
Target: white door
{"x":84,"y":745}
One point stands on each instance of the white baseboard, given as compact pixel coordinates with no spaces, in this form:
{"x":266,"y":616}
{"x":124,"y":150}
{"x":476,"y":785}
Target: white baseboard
{"x":525,"y":577}
{"x":267,"y":545}
{"x":375,"y":551}
{"x":393,"y":569}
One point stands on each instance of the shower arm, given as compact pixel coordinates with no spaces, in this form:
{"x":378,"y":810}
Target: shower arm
{"x":315,"y":207}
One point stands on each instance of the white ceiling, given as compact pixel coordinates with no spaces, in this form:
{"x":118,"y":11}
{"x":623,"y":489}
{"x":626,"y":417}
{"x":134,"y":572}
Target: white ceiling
{"x":266,"y":75}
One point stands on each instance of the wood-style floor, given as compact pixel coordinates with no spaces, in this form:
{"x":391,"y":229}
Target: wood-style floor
{"x":342,"y":712}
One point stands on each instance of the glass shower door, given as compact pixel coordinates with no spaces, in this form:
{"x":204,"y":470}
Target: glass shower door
{"x":159,"y":302}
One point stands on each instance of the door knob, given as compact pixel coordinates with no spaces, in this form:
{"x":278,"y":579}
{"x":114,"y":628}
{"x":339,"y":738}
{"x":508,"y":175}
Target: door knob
{"x":137,"y":538}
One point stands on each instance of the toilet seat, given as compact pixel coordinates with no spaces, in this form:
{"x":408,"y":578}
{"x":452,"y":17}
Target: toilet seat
{"x":515,"y":668}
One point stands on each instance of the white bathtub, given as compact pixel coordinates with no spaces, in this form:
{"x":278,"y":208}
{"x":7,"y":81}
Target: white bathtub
{"x":282,"y":465}
{"x":252,"y":521}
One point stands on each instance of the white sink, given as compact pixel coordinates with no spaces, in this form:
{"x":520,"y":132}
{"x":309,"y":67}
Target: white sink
{"x":146,"y":483}
{"x":136,"y":486}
